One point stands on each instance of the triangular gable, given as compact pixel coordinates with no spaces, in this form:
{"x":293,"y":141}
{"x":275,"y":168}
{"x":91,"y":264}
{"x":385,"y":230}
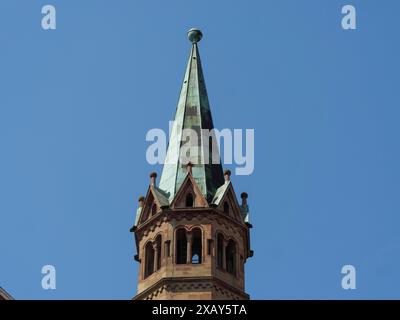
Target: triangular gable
{"x":154,"y":196}
{"x":189,"y":185}
{"x":226,"y":193}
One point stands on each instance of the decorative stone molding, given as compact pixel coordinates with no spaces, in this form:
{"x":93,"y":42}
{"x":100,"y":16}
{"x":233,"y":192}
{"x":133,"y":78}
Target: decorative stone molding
{"x":192,"y":286}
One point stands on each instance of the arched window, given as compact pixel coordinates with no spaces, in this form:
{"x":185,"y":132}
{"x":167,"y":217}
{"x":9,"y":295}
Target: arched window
{"x":220,"y":250}
{"x":181,"y":246}
{"x":226,"y":208}
{"x":189,"y":200}
{"x":158,"y":244}
{"x":196,"y":246}
{"x":149,"y":259}
{"x":231,"y":257}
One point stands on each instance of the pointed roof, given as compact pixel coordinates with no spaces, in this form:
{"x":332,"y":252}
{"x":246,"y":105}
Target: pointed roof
{"x":192,"y":112}
{"x":187,"y":184}
{"x":158,"y":196}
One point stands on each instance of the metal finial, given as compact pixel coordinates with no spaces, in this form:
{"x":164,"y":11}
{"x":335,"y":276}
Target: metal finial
{"x":194,"y":35}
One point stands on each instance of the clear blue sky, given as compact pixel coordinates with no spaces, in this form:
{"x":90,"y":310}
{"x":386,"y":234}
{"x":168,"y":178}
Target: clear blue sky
{"x":76,"y":103}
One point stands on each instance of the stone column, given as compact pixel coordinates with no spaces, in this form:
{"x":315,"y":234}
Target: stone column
{"x":155,"y":248}
{"x":225,"y":244}
{"x":189,"y":248}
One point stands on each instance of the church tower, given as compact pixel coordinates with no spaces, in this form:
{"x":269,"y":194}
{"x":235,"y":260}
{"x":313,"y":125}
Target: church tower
{"x":192,"y":236}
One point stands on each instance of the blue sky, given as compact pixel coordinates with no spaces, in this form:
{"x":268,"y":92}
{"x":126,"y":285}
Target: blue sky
{"x":76,"y":103}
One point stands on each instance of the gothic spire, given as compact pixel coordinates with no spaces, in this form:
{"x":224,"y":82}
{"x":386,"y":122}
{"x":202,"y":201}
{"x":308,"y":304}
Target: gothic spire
{"x":192,"y":112}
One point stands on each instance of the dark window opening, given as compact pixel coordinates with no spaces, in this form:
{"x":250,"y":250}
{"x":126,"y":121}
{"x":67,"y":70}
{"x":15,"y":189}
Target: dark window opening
{"x":158,"y":244}
{"x":189,"y":200}
{"x":181,"y":246}
{"x":196,"y":246}
{"x":149,"y":260}
{"x":226,"y":207}
{"x":153,"y":209}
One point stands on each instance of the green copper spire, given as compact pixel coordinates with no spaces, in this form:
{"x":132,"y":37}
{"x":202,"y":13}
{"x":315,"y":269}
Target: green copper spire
{"x":193,"y":112}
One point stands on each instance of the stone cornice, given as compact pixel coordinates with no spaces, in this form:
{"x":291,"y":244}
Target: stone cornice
{"x":189,"y":284}
{"x":168,"y":214}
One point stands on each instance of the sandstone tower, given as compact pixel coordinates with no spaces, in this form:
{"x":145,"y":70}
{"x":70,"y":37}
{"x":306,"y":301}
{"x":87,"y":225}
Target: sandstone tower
{"x":192,"y":236}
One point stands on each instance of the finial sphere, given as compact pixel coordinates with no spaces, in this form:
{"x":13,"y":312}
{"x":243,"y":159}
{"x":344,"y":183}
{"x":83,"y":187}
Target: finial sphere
{"x":194,"y":35}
